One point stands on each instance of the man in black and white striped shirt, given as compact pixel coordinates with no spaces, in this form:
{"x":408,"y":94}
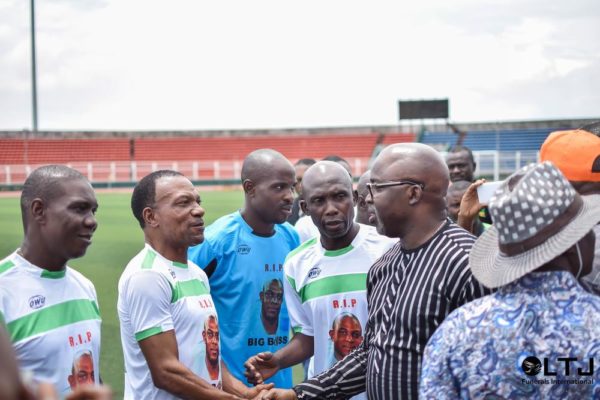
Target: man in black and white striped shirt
{"x":410,"y":289}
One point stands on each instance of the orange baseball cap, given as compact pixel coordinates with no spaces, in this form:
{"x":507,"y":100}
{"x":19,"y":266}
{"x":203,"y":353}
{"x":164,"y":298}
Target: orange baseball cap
{"x":576,"y":153}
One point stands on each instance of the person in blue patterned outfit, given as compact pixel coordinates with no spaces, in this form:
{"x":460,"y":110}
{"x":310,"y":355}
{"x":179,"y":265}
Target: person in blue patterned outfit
{"x":538,"y":336}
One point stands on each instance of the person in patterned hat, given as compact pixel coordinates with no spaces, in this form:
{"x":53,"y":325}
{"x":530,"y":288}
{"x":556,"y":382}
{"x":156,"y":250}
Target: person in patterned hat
{"x":494,"y":347}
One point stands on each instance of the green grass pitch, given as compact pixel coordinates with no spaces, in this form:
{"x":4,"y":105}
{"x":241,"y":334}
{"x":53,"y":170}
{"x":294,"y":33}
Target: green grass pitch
{"x":117,"y":239}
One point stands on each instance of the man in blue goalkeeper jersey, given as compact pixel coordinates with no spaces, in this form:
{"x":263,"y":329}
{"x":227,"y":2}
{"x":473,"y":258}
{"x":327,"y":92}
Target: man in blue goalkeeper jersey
{"x":243,"y":253}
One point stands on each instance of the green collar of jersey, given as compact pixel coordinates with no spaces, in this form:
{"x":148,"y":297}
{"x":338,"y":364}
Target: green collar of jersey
{"x":54,"y":274}
{"x":336,"y":253}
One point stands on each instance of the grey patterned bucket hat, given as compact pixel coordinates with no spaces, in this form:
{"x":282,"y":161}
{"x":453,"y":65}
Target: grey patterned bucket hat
{"x":537,"y":217}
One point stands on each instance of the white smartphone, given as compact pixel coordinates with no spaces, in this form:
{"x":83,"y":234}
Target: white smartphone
{"x":485,"y":191}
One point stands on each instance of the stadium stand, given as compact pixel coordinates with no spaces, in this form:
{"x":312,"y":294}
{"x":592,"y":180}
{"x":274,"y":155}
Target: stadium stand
{"x":109,"y":159}
{"x":502,"y":140}
{"x":35,"y":151}
{"x":60,"y":151}
{"x":121,"y":157}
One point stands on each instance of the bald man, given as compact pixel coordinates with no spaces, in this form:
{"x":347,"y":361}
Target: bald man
{"x":304,"y":226}
{"x":245,"y":249}
{"x":337,"y":262}
{"x":411,"y":289}
{"x":51,"y":310}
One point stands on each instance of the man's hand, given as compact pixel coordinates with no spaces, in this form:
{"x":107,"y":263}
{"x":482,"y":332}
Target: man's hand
{"x":260,"y":367}
{"x":255,"y":391}
{"x":470,"y":206}
{"x":277,"y":394}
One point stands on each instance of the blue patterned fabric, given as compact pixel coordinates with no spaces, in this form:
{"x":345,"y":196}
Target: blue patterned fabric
{"x":480,"y":350}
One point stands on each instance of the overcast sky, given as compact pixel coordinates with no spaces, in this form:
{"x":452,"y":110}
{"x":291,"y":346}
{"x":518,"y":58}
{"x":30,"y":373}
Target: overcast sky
{"x":220,"y":64}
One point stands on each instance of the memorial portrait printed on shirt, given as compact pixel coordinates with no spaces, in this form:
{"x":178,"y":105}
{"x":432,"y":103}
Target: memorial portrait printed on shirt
{"x":271,"y":300}
{"x":209,"y":357}
{"x":82,"y":370}
{"x":346,"y":334}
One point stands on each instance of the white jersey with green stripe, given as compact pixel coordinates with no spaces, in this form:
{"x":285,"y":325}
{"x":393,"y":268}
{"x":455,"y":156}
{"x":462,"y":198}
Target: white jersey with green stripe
{"x":326,"y":293}
{"x":158,"y":295}
{"x":53,"y":321}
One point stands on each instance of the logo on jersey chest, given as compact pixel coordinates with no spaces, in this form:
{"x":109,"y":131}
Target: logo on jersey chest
{"x":243,"y":249}
{"x":172,"y":274}
{"x":37,"y":301}
{"x":314,"y":272}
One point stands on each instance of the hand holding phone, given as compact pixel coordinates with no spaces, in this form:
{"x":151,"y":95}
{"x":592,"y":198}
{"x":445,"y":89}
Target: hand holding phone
{"x":486,"y":191}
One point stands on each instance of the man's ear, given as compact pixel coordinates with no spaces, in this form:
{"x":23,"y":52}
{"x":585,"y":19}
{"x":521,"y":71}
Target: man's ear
{"x":303,"y":207}
{"x":38,"y":210}
{"x":149,"y":217}
{"x":414,"y":194}
{"x":354,"y":197}
{"x":249,"y":187}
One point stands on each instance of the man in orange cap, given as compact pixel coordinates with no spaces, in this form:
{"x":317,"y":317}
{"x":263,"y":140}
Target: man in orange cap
{"x":577,"y":154}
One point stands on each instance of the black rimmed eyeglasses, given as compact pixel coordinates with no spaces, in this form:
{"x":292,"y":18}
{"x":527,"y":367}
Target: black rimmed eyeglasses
{"x":376,"y":187}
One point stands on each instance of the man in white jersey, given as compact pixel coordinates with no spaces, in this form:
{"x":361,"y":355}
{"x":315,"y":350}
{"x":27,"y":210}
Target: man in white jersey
{"x":50,"y":310}
{"x":325,"y":277}
{"x":164,"y":300}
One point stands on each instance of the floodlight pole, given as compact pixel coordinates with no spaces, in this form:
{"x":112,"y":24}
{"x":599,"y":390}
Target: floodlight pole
{"x":33,"y":71}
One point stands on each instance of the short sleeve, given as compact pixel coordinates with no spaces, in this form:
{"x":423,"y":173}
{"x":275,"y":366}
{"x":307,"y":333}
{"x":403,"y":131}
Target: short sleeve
{"x":300,"y":323}
{"x":148,"y":298}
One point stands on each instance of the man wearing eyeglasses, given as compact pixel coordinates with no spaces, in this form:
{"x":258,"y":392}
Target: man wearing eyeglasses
{"x":410,"y":289}
{"x":271,"y":298}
